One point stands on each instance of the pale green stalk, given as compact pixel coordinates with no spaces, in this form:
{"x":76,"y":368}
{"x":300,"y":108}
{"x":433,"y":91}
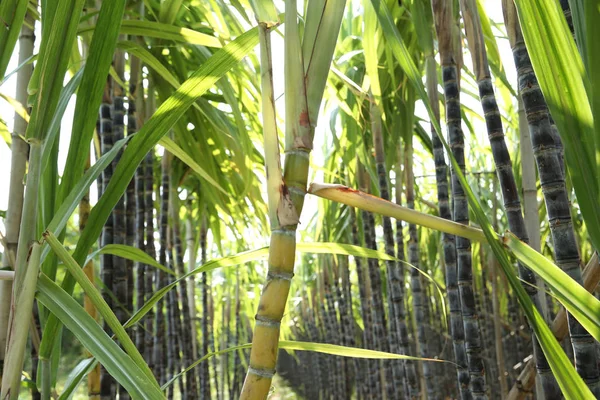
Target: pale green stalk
{"x":24,"y":291}
{"x":19,"y":324}
{"x":282,"y":216}
{"x":18,"y":163}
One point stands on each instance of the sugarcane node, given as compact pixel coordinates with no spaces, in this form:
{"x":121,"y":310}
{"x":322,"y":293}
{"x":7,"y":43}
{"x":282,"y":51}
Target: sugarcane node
{"x":263,"y":373}
{"x":266,"y":321}
{"x":280,"y":275}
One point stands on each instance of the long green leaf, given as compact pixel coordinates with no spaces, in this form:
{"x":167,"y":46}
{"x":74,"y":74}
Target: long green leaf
{"x":342,"y":249}
{"x":75,"y":377}
{"x":99,"y":303}
{"x":150,"y":60}
{"x":178,"y":152}
{"x":323,"y":348}
{"x":353,"y":352}
{"x":54,"y":129}
{"x":130,"y":253}
{"x":592,"y":50}
{"x":118,"y":364}
{"x":163,"y":31}
{"x":52,"y":64}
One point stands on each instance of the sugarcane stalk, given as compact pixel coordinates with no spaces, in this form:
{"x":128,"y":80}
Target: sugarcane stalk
{"x":130,"y":196}
{"x":119,"y":277}
{"x":378,"y":327}
{"x":191,"y":283}
{"x":365,"y":307}
{"x":411,"y":388}
{"x":418,"y":298}
{"x":149,"y":284}
{"x":205,"y":383}
{"x":394,"y":287}
{"x":19,"y":321}
{"x":448,"y":241}
{"x":25,"y":278}
{"x":347,"y":323}
{"x":450,"y":75}
{"x":306,"y":70}
{"x":191,"y":383}
{"x":498,"y":330}
{"x":140,"y":244}
{"x":174,"y":327}
{"x":263,"y":355}
{"x":161,"y":370}
{"x":18,"y":161}
{"x":107,"y":382}
{"x":120,"y":282}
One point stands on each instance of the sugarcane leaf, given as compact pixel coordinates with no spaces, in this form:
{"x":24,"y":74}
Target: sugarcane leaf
{"x":115,"y":77}
{"x":163,"y":31}
{"x":240,"y":258}
{"x":168,"y":10}
{"x":12,"y":15}
{"x":118,"y":364}
{"x":89,"y":95}
{"x":342,"y":249}
{"x":150,"y":60}
{"x":100,"y":304}
{"x":178,"y":152}
{"x":54,"y":128}
{"x":130,"y":253}
{"x":55,"y":48}
{"x":591,"y":44}
{"x":29,"y":60}
{"x":346,"y":351}
{"x":578,"y":301}
{"x":561,"y":75}
{"x":321,"y":30}
{"x":77,"y":374}
{"x":323,"y":348}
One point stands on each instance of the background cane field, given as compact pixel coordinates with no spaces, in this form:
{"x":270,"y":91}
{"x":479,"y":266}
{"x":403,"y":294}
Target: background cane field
{"x":300,"y":199}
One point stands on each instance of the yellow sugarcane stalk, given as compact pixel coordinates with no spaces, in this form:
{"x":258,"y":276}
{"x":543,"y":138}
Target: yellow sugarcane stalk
{"x":307,"y":65}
